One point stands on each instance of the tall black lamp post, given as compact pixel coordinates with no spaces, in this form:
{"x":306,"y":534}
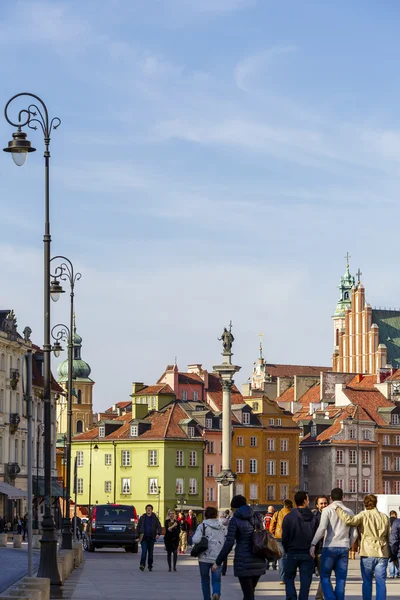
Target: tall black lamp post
{"x":65,"y":272}
{"x":36,"y":114}
{"x":353,"y":420}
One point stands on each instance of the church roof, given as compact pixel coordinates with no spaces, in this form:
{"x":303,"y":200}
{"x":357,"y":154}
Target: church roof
{"x":388,"y":322}
{"x":276,"y":370}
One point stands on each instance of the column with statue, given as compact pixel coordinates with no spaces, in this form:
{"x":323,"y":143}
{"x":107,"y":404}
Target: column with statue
{"x":226,"y":370}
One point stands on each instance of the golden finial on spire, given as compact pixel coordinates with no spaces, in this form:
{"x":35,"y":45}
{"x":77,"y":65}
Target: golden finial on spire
{"x":261,"y":336}
{"x":347,"y":257}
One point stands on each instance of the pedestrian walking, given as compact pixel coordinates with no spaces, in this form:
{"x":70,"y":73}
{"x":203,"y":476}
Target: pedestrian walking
{"x":2,"y":524}
{"x":337,"y":542}
{"x":214,"y":530}
{"x":298,"y":530}
{"x":171,"y":539}
{"x":393,"y":568}
{"x":191,"y":520}
{"x":267,"y":523}
{"x":246,"y":566}
{"x":225,"y":518}
{"x":19,"y":525}
{"x":149,"y":529}
{"x":320,"y":503}
{"x":394,"y":542}
{"x":24,"y":527}
{"x":276,"y":530}
{"x":374,"y":545}
{"x":183,"y":535}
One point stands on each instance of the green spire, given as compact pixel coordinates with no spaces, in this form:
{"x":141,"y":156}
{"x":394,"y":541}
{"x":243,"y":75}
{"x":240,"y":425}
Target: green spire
{"x":347,"y":281}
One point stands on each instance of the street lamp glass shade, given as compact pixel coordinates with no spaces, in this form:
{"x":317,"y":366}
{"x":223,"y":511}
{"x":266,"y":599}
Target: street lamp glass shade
{"x":55,"y":290}
{"x":95,"y":447}
{"x":57,"y":349}
{"x":19,"y":147}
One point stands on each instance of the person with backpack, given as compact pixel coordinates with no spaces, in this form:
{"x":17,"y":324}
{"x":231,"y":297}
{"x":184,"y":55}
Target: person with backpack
{"x":213,"y":529}
{"x":276,"y":529}
{"x":267,"y":524}
{"x":225,"y":518}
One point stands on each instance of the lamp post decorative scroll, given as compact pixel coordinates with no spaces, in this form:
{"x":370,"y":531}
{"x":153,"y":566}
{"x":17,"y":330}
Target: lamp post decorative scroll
{"x":36,"y":114}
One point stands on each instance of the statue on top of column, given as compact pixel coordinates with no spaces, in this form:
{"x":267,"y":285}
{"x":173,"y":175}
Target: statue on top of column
{"x":227,"y":339}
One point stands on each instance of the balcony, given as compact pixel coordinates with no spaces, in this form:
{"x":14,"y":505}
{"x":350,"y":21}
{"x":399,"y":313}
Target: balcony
{"x":14,"y":422}
{"x":14,"y":378}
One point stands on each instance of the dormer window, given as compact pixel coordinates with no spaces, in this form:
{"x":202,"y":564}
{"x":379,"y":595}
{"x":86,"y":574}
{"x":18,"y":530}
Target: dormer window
{"x":209,"y":423}
{"x":394,"y":419}
{"x":313,"y":431}
{"x":134,"y":430}
{"x":246,"y":418}
{"x":102,"y":431}
{"x":352,"y":434}
{"x":195,"y":396}
{"x":184,"y":395}
{"x":255,"y":405}
{"x":191,"y":431}
{"x":366,"y":434}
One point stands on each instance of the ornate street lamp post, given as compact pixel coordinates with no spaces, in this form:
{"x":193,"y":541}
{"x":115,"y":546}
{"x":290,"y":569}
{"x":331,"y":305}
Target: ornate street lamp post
{"x":19,"y":147}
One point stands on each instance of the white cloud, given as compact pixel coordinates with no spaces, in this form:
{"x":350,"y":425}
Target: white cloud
{"x":252,"y":68}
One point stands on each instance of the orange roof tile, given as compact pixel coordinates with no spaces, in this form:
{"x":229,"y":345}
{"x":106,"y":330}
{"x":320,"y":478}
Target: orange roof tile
{"x":291,"y":370}
{"x":287,"y":395}
{"x":313,"y":395}
{"x":190,"y":378}
{"x":367,"y":382}
{"x":395,"y":376}
{"x":155,"y":390}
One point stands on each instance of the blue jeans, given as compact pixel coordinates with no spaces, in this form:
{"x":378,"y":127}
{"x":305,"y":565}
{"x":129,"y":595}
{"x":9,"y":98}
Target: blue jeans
{"x":147,"y":549}
{"x":205,"y":569}
{"x":305,"y":564}
{"x":393,"y":570}
{"x":373,"y":566}
{"x":281,"y":562}
{"x":334,"y":559}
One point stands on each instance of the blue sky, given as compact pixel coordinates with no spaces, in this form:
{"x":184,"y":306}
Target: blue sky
{"x":216,"y":160}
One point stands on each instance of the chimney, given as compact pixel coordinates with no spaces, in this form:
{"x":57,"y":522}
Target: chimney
{"x":136,"y":387}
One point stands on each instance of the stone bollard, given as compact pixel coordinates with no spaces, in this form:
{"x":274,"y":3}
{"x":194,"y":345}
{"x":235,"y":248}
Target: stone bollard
{"x":78,"y":553}
{"x":68,"y":557}
{"x":26,"y":591}
{"x":36,"y":541}
{"x":3,"y":540}
{"x":39,"y":583}
{"x":61,"y":564}
{"x":17,"y":540}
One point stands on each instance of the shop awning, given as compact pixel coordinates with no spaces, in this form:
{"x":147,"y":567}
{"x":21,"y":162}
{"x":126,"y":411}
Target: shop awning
{"x":183,"y":507}
{"x":12,"y":492}
{"x":38,"y":487}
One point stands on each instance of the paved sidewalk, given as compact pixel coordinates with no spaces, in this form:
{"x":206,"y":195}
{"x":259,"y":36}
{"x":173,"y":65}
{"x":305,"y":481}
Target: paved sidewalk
{"x":114,"y":575}
{"x":14,"y":564}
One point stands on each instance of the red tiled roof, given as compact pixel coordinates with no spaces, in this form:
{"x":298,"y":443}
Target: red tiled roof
{"x":190,"y":378}
{"x":395,"y":376}
{"x":368,"y":401}
{"x":291,"y":370}
{"x":367,"y":382}
{"x":86,"y":436}
{"x":287,"y":396}
{"x":311,"y":396}
{"x":37,"y":377}
{"x":334,"y":429}
{"x":155,"y":390}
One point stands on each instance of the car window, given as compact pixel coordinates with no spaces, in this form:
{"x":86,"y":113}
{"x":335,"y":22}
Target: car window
{"x":115,"y":514}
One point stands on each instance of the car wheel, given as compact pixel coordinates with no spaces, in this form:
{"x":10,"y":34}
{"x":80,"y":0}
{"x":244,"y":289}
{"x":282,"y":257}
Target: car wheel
{"x":135,"y":548}
{"x":87,"y":545}
{"x":128,"y":548}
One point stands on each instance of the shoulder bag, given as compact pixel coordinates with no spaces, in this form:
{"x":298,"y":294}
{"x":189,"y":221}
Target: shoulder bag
{"x":201,"y":546}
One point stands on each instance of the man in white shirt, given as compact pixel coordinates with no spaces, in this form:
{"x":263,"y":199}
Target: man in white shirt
{"x":337,"y":542}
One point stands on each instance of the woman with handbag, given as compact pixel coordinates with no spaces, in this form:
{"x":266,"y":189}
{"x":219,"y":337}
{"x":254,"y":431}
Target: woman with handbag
{"x":171,"y":538}
{"x":214,"y":531}
{"x":246,"y":565}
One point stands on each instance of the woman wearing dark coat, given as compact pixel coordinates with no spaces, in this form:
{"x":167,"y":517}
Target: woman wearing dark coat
{"x":171,"y":538}
{"x":246,"y":566}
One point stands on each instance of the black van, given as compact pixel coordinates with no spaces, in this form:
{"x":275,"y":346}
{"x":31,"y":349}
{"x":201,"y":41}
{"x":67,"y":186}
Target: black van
{"x":112,"y":526}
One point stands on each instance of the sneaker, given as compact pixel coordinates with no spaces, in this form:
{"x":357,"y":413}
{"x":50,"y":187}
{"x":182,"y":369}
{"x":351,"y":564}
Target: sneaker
{"x":150,"y":568}
{"x":215,"y":597}
{"x":282,"y":583}
{"x":175,"y":569}
{"x":141,"y":567}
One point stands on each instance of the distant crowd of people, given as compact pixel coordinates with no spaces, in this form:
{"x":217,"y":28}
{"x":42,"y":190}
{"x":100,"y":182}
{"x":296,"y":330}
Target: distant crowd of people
{"x":310,"y":541}
{"x":18,"y":525}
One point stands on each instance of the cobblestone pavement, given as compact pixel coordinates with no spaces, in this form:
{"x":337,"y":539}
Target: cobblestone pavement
{"x":14,"y":564}
{"x":114,"y":575}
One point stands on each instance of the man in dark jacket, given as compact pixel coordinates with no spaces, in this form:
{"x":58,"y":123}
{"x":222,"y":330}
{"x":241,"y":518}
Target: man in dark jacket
{"x":394,"y":542}
{"x":298,"y":530}
{"x":149,"y":529}
{"x":320,"y":503}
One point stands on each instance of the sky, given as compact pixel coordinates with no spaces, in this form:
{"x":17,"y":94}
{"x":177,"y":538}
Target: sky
{"x":215,"y":161}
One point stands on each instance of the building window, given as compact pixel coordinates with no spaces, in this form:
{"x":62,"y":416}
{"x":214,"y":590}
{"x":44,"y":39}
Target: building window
{"x":386,"y":463}
{"x":180,"y":486}
{"x":220,"y":424}
{"x":1,"y":401}
{"x":79,"y":398}
{"x":220,"y":449}
{"x":386,"y":440}
{"x":23,"y":453}
{"x":153,"y":458}
{"x":386,"y":487}
{"x":153,"y":486}
{"x":239,"y":440}
{"x":210,"y":471}
{"x":253,"y":441}
{"x":126,"y":458}
{"x":284,"y":445}
{"x":195,"y":396}
{"x":396,"y":487}
{"x":184,"y":395}
{"x":102,"y":431}
{"x":366,"y":486}
{"x":191,"y":431}
{"x":305,"y":459}
{"x":271,"y":422}
{"x":126,"y":486}
{"x":395,"y":419}
{"x":210,"y":494}
{"x":253,"y":465}
{"x":284,"y":492}
{"x":192,"y":485}
{"x":209,"y":423}
{"x":253,"y":491}
{"x":366,"y":457}
{"x":246,"y":418}
{"x":79,"y":485}
{"x":284,"y":467}
{"x":313,"y":431}
{"x":193,"y":458}
{"x":79,"y":458}
{"x":270,"y":492}
{"x":397,"y":440}
{"x":306,"y":486}
{"x":339,"y":457}
{"x":240,"y":465}
{"x":210,"y":447}
{"x":271,"y":444}
{"x":271,"y":467}
{"x":134,"y":430}
{"x":255,"y":406}
{"x":352,"y":434}
{"x":108,"y":460}
{"x":240,"y":489}
{"x":339,"y":483}
{"x":279,"y":422}
{"x":107,"y":487}
{"x":397,"y":463}
{"x":366,"y":434}
{"x":353,"y":457}
{"x":180,"y":458}
{"x":79,"y":426}
{"x":353,"y":486}
{"x":301,"y":431}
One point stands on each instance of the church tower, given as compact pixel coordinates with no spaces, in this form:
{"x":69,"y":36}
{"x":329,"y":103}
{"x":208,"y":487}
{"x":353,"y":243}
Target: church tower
{"x":82,"y":391}
{"x":347,"y":282}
